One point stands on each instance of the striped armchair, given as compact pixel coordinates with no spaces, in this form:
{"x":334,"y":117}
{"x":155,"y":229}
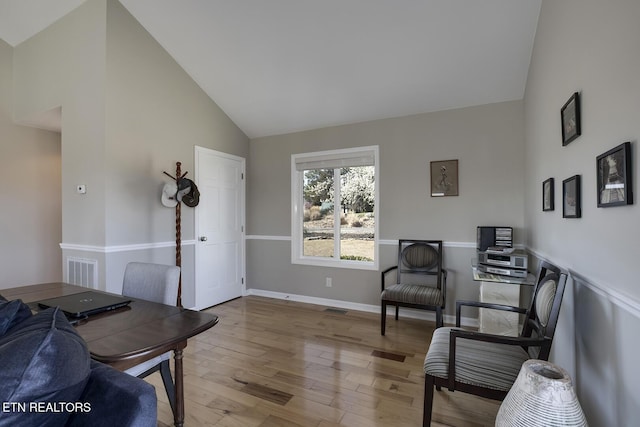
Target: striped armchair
{"x":421,"y":282}
{"x":487,"y":365}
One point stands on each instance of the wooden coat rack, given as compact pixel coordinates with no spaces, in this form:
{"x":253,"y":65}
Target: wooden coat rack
{"x":178,"y":176}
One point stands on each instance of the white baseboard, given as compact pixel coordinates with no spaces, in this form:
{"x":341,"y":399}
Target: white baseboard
{"x":369,"y":308}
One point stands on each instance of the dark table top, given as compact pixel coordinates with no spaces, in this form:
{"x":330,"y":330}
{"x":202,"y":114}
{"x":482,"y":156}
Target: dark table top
{"x":126,"y":336}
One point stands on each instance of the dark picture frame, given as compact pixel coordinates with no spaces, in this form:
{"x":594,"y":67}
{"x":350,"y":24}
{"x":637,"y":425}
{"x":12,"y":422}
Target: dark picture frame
{"x":548,"y":195}
{"x":444,"y":178}
{"x":570,"y":119}
{"x":613,"y":170}
{"x":571,"y":203}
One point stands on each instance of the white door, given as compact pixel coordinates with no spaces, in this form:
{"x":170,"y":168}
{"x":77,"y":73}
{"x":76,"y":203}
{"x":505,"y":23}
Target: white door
{"x":219,"y":272}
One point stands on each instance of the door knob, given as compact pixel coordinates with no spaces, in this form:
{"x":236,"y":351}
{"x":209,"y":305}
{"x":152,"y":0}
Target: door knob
{"x":203,"y":238}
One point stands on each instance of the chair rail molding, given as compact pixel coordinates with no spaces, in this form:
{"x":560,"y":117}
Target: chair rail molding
{"x":386,"y":242}
{"x":265,"y":237}
{"x":123,"y":248}
{"x":623,"y":301}
{"x":626,"y":302}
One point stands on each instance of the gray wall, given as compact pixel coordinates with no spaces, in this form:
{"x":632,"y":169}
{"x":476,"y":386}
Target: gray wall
{"x":488,"y":143}
{"x":129,"y":112}
{"x":156,"y":115}
{"x":590,"y":47}
{"x":30,"y":229}
{"x":64,"y":65}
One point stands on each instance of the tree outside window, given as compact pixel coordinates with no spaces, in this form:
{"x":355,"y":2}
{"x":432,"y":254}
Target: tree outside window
{"x":352,"y":219}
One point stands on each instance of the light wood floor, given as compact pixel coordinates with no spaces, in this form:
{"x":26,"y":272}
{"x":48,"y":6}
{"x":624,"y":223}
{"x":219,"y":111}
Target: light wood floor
{"x":281,"y":363}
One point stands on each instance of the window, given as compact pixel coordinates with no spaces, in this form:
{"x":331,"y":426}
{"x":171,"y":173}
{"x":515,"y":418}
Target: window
{"x":334,"y":208}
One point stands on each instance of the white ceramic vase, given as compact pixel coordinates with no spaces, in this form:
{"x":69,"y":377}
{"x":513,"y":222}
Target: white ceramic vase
{"x":543,"y":396}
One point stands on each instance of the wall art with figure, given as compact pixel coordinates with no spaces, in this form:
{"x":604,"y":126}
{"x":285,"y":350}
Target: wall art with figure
{"x":614,"y":176}
{"x":444,"y":178}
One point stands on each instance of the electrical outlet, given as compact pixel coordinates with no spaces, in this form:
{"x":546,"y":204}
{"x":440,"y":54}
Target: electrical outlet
{"x":328,"y":283}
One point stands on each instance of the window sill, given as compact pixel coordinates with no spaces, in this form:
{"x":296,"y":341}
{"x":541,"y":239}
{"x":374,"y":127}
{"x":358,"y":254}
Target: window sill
{"x":352,"y":265}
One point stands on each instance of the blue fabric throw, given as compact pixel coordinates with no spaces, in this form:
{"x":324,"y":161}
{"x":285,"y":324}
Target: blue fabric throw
{"x":47,"y":377}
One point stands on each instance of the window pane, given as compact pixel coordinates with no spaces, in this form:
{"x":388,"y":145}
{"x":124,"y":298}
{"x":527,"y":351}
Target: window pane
{"x":318,"y":221}
{"x":357,"y":220}
{"x":330,"y":228}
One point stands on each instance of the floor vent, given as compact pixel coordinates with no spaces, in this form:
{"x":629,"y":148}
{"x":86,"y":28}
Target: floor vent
{"x":82,"y":272}
{"x":335,"y":310}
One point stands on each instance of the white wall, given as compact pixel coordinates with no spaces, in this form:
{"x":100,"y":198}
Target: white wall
{"x":590,"y":47}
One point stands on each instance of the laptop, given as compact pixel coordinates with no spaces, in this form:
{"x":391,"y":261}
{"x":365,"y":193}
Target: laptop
{"x":85,"y":304}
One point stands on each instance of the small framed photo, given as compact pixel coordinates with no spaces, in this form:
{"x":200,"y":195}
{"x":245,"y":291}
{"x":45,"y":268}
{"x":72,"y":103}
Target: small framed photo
{"x":548,"y":195}
{"x":444,"y":178}
{"x":571,"y":197}
{"x":570,"y":115}
{"x":613,"y":169}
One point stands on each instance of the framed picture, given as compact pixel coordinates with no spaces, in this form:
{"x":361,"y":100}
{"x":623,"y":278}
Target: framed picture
{"x":571,"y":197}
{"x":613,"y":169}
{"x":444,"y":178}
{"x":570,"y":115}
{"x":548,"y":195}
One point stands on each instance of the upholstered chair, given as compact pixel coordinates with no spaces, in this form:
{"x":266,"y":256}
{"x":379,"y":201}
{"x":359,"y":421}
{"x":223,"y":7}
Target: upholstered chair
{"x":155,"y":283}
{"x":421,"y":282}
{"x":485,"y":364}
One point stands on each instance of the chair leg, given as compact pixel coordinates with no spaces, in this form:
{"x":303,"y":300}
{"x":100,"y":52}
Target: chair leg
{"x":439,"y":322}
{"x":165,"y":372}
{"x":397,"y":309}
{"x":428,"y":401}
{"x":383,"y":318}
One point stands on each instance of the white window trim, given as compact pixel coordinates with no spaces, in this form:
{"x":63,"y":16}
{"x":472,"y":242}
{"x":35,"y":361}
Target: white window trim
{"x":297,"y":208}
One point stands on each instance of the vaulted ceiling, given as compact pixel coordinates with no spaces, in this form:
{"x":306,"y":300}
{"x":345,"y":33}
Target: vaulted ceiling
{"x":281,"y":66}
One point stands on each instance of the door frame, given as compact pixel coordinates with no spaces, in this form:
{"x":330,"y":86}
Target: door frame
{"x":243,"y":162}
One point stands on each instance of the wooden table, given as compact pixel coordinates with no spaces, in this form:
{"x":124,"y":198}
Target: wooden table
{"x":130,"y":335}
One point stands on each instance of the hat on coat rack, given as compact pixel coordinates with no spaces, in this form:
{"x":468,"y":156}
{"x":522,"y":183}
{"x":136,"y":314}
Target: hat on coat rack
{"x":188,"y":192}
{"x":169,"y":193}
{"x":184,"y":187}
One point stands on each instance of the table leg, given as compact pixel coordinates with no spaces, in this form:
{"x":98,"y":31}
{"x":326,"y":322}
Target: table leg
{"x":178,"y":416}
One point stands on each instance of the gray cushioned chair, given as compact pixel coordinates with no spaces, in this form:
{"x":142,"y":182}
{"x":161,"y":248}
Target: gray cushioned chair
{"x":156,"y":283}
{"x":421,"y":282}
{"x":485,"y":364}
